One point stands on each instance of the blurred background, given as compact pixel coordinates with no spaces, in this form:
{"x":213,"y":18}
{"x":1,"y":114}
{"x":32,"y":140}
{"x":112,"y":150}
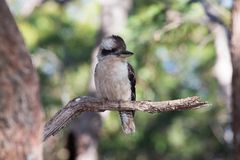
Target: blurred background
{"x":181,"y":49}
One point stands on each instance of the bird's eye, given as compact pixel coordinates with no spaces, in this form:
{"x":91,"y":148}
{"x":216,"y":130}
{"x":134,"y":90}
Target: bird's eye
{"x":108,"y":52}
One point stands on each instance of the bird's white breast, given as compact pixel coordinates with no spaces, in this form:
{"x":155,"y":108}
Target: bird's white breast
{"x":111,"y":79}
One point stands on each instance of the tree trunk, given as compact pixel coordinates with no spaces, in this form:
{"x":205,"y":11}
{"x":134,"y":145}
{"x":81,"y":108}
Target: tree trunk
{"x":222,"y":69}
{"x":223,"y":64}
{"x":235,"y":53}
{"x":20,"y":115}
{"x":83,"y":137}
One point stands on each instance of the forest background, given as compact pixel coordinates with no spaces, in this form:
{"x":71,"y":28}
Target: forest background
{"x":181,"y":49}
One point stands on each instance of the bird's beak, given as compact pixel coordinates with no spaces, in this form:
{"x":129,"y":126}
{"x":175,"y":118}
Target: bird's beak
{"x":126,"y":53}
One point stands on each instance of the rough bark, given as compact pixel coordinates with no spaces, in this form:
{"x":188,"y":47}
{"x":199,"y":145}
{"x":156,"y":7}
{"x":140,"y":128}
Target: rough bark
{"x":20,"y":116}
{"x":84,"y":104}
{"x":114,"y":14}
{"x":235,"y":53}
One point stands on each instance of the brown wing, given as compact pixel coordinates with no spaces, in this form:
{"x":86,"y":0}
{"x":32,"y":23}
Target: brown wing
{"x":127,"y":119}
{"x":132,"y":79}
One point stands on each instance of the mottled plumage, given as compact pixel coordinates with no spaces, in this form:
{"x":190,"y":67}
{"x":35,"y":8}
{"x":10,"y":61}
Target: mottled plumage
{"x":115,"y":78}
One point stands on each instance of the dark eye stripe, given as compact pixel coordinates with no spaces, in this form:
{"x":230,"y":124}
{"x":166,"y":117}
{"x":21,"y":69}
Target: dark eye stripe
{"x":107,"y":52}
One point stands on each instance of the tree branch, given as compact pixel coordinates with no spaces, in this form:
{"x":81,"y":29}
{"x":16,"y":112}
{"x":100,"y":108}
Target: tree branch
{"x":89,"y":104}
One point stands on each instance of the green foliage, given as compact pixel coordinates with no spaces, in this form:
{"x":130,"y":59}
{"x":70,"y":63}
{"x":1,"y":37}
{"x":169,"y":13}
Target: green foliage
{"x":171,"y":64}
{"x":53,"y":28}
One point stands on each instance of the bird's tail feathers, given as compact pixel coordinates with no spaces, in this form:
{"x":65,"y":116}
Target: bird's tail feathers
{"x":127,"y":121}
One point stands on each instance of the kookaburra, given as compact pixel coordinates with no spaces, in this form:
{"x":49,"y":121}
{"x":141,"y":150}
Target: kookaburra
{"x":115,"y":78}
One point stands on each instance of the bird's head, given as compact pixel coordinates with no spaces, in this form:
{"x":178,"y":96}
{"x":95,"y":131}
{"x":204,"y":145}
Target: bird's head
{"x":113,"y":46}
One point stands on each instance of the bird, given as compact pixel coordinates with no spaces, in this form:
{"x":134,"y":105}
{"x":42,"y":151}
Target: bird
{"x":115,"y":78}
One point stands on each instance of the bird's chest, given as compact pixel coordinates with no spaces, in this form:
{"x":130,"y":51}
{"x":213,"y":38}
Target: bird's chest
{"x":111,"y":79}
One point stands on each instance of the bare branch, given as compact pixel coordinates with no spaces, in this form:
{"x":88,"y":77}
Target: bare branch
{"x":83,"y":104}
